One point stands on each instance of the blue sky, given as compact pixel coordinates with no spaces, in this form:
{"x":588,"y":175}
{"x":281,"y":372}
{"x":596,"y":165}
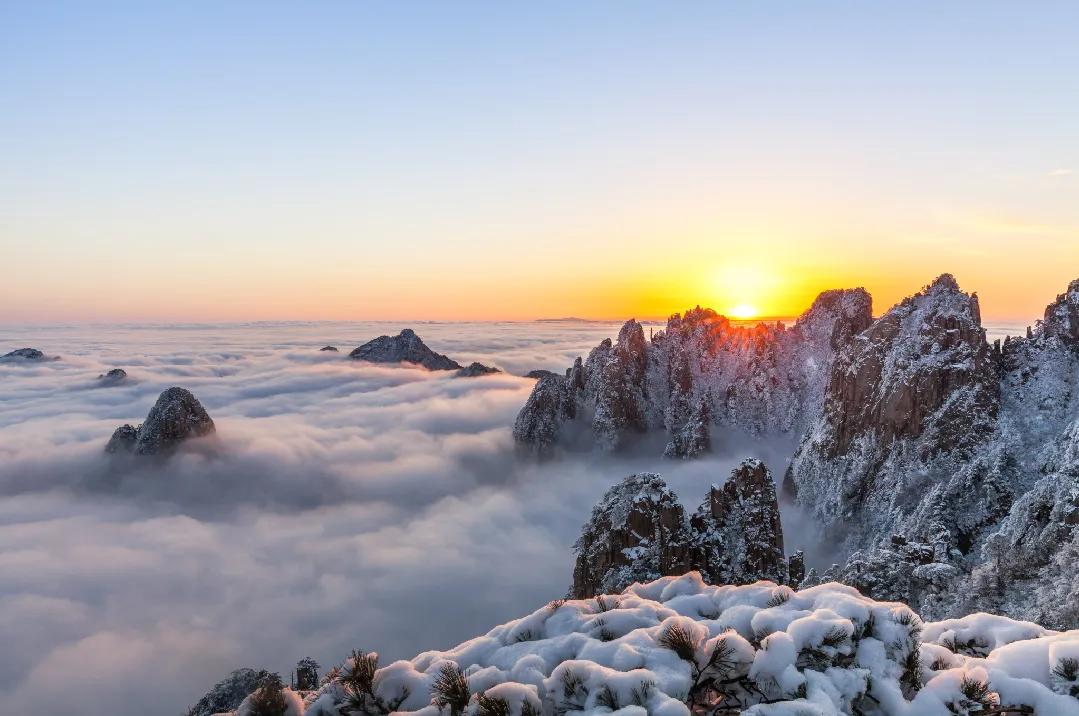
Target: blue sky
{"x":383,"y":160}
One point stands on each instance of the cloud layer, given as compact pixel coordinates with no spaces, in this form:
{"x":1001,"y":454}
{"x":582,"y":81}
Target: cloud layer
{"x":343,"y":506}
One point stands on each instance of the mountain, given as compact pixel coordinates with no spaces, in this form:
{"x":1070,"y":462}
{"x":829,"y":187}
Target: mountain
{"x":943,"y":468}
{"x":700,"y":374}
{"x":639,"y":531}
{"x":176,"y":417}
{"x":23,"y":354}
{"x":949,"y":467}
{"x":115,"y":376}
{"x":475,"y":370}
{"x":677,"y":646}
{"x":405,"y":347}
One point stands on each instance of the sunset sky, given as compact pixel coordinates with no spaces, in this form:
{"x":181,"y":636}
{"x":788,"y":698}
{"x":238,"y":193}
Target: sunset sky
{"x":249,"y":161}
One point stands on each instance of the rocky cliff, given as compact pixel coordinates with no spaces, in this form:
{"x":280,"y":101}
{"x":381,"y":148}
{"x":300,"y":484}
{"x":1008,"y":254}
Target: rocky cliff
{"x":699,"y":374}
{"x":949,"y":468}
{"x":943,"y":469}
{"x":639,"y":532}
{"x":737,"y":529}
{"x":176,"y":417}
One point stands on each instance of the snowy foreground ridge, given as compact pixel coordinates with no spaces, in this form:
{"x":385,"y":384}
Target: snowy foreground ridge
{"x":678,"y":646}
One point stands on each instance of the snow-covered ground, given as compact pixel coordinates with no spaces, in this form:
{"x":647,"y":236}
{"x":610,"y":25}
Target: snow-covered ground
{"x":676,"y":646}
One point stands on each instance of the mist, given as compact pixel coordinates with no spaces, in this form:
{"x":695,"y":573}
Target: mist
{"x":341,"y":505}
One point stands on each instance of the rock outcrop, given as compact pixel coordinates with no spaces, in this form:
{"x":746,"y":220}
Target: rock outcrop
{"x":176,"y":417}
{"x":1062,"y":317}
{"x":405,"y":347}
{"x":123,"y":439}
{"x":328,"y":349}
{"x":539,"y":373}
{"x":943,"y":469}
{"x":919,"y":387}
{"x":539,"y":424}
{"x":475,"y":370}
{"x":115,"y":376}
{"x":229,"y":693}
{"x":639,"y":531}
{"x":949,"y":468}
{"x":701,"y":373}
{"x":737,"y":530}
{"x":20,"y":354}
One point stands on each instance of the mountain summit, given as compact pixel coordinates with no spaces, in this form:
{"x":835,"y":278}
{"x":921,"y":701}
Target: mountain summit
{"x":405,"y":347}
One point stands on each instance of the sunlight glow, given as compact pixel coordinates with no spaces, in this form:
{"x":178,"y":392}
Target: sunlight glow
{"x":743,"y":312}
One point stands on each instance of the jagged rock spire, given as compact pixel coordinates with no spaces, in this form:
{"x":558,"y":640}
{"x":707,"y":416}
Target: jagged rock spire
{"x":639,"y":532}
{"x":737,"y":529}
{"x":701,"y":371}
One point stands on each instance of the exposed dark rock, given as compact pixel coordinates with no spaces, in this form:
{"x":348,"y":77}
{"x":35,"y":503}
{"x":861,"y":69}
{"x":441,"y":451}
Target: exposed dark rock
{"x":949,"y":468}
{"x":229,"y":693}
{"x":537,"y":374}
{"x":405,"y":347}
{"x":737,"y":529}
{"x":538,"y":424}
{"x":923,"y":353}
{"x":113,"y":377}
{"x":1062,"y":316}
{"x":328,"y":349}
{"x":796,"y":569}
{"x":638,"y":532}
{"x":474,"y":370}
{"x":123,"y":439}
{"x":923,"y":378}
{"x":23,"y":354}
{"x":175,"y":417}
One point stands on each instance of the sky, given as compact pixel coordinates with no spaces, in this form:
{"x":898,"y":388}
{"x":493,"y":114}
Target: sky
{"x":503,"y":161}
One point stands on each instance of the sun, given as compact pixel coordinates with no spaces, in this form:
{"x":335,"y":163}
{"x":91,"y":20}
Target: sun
{"x":743,"y":311}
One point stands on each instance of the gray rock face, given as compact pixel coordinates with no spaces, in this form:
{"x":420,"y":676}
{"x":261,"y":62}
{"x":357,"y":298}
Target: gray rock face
{"x":639,"y":532}
{"x":921,"y":376}
{"x":538,"y":425}
{"x":738,"y":534}
{"x":948,"y":468}
{"x":700,"y":373}
{"x":177,"y":416}
{"x":122,"y":440}
{"x":113,"y":377}
{"x":23,"y":354}
{"x":1062,"y":317}
{"x":328,"y":349}
{"x":475,"y":370}
{"x":405,"y":347}
{"x":537,"y":374}
{"x":229,"y":693}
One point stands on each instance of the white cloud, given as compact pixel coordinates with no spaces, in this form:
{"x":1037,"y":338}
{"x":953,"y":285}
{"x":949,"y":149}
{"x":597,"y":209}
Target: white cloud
{"x":350,"y":506}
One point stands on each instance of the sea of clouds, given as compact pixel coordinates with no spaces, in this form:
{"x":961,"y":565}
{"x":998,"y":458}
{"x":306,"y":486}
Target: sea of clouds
{"x":345,"y":505}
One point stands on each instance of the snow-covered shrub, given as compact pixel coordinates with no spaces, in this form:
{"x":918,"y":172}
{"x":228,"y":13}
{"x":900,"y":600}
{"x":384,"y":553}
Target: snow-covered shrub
{"x":676,"y":646}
